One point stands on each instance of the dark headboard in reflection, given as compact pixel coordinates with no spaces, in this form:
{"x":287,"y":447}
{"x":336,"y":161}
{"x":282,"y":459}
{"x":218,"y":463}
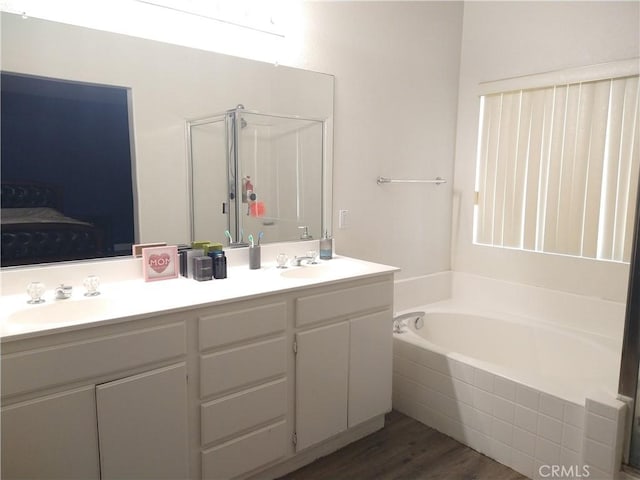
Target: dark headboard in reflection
{"x":34,"y":229}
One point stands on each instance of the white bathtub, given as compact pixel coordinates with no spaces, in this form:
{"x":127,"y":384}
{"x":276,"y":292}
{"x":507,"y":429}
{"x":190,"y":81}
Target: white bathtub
{"x":530,"y":394}
{"x":555,"y":360}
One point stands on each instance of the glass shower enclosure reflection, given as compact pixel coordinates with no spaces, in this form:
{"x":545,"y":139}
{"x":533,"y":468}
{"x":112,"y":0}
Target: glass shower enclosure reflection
{"x":255,"y":172}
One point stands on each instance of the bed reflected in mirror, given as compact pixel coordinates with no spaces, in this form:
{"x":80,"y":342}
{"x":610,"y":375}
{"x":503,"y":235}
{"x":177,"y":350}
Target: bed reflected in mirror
{"x":65,"y":152}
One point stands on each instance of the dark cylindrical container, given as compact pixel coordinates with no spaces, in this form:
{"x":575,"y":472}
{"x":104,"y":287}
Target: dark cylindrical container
{"x":219,"y":263}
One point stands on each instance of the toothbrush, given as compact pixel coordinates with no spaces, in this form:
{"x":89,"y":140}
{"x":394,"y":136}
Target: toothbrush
{"x":260,"y":235}
{"x":251,"y":240}
{"x":228,"y":235}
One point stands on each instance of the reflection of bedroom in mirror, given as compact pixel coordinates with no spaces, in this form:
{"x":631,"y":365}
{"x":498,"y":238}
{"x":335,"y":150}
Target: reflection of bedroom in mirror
{"x":65,"y":150}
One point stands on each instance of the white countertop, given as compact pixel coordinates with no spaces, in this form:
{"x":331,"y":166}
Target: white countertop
{"x":131,"y":299}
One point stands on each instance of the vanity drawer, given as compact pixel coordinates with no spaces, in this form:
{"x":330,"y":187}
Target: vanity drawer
{"x":87,"y":359}
{"x":343,"y":303}
{"x":240,"y":325}
{"x":246,"y":453}
{"x":242,"y":411}
{"x":242,"y":366}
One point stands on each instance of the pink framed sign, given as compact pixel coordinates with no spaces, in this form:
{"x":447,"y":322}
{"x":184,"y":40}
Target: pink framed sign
{"x":160,"y":263}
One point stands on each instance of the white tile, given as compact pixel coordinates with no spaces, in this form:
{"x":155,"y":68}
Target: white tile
{"x":431,"y":417}
{"x":462,"y":371}
{"x":404,"y":367}
{"x":527,"y":397}
{"x":403,"y":349}
{"x":504,"y":388}
{"x":444,"y":384}
{"x":524,"y":441}
{"x":409,"y":408}
{"x":589,"y":471}
{"x":444,"y":405}
{"x":425,"y":376}
{"x":572,"y":438}
{"x":465,"y":414}
{"x":522,"y":463}
{"x":404,"y":386}
{"x":501,"y":452}
{"x":570,"y":459}
{"x":551,"y":406}
{"x":601,"y":429}
{"x":424,"y":395}
{"x":483,"y":400}
{"x":547,"y":452}
{"x":602,"y":409}
{"x":453,"y":429}
{"x":479,"y":442}
{"x":574,"y":415}
{"x":483,"y":423}
{"x":433,"y":360}
{"x":526,"y":419}
{"x":483,"y":380}
{"x":598,"y":455}
{"x":502,"y":431}
{"x":550,"y":429}
{"x":540,"y":470}
{"x":503,"y":409}
{"x":463,"y":391}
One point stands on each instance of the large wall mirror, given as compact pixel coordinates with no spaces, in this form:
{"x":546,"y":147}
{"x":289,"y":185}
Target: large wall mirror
{"x":284,"y":149}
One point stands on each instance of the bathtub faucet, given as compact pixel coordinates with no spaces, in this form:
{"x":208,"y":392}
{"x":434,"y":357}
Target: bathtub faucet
{"x":401,"y":322}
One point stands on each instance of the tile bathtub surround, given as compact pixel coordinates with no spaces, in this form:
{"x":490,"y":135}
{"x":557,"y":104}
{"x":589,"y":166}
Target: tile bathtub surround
{"x":518,"y":426}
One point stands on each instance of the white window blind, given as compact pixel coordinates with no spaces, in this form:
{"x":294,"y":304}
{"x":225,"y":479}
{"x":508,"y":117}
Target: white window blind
{"x":558,"y":168}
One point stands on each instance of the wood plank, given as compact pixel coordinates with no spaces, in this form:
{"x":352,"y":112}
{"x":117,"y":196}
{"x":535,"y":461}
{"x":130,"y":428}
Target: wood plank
{"x":405,"y":449}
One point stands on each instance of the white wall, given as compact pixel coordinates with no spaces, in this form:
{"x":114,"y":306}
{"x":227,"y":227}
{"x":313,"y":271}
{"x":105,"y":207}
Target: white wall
{"x":396,"y":68}
{"x":507,"y":39}
{"x":169,"y":84}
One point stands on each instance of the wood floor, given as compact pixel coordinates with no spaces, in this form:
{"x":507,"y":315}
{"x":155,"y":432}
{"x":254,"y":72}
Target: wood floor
{"x":405,"y":449}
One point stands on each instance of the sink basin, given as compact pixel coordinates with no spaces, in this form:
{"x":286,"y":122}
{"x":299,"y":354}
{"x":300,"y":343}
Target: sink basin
{"x":308,"y":271}
{"x":71,"y":310}
{"x":332,"y":269}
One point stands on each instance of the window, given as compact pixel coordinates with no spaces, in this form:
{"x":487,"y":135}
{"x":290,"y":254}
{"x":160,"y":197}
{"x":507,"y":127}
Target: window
{"x":558,"y":162}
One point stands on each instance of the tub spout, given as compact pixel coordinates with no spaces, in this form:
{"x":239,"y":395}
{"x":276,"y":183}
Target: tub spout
{"x":401,"y":322}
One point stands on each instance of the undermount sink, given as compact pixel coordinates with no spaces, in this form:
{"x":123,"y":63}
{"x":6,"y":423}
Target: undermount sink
{"x":333,"y":268}
{"x":70,"y":310}
{"x":308,"y":271}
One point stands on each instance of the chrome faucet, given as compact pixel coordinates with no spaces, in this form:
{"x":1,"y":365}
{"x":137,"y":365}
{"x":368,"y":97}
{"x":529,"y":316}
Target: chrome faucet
{"x":401,"y":322}
{"x":63,"y":291}
{"x":305,"y":233}
{"x":297,"y":261}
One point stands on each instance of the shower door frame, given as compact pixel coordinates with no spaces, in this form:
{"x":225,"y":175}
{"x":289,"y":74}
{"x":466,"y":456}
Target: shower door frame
{"x":232,"y":118}
{"x":630,"y":359}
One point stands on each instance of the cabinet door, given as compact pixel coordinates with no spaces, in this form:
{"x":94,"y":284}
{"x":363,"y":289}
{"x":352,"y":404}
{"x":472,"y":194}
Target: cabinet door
{"x":370,"y":366}
{"x":142,"y":425}
{"x":321,"y":383}
{"x":51,"y":437}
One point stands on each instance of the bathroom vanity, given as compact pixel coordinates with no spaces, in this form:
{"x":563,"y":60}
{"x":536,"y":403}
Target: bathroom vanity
{"x":257,"y":374}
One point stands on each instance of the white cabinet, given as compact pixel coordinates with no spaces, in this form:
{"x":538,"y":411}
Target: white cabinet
{"x":343,"y":368}
{"x":142,"y":425}
{"x":75,"y":406}
{"x":322,"y":378}
{"x":244,"y":388}
{"x":113,"y":401}
{"x":51,"y":437}
{"x":370,"y":366}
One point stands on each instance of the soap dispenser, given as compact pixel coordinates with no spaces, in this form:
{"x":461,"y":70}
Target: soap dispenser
{"x":326,"y":247}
